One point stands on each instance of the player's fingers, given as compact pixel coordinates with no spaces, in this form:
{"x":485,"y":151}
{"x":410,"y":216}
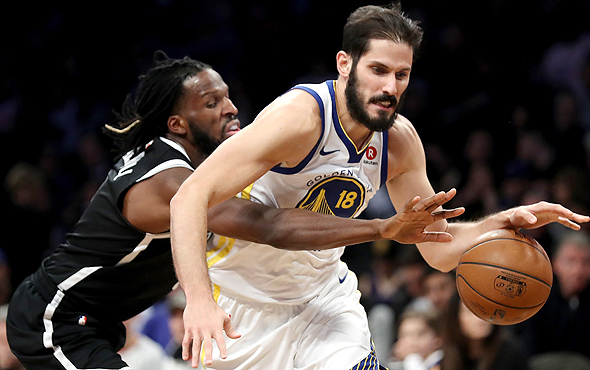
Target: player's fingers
{"x":221,"y":345}
{"x":563,"y":211}
{"x":445,"y":199}
{"x":417,"y":205}
{"x":447,"y":213}
{"x":207,"y":350}
{"x":409,"y":206}
{"x":521,"y":217}
{"x":569,"y":223}
{"x":579,"y":218}
{"x":229,"y":330}
{"x":432,"y":201}
{"x":437,"y":237}
{"x":186,"y":346}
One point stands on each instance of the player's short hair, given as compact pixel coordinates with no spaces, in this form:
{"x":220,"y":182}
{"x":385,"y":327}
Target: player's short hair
{"x":373,"y":22}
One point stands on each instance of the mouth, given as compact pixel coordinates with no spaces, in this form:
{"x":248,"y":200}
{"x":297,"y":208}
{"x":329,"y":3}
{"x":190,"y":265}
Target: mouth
{"x":386,"y":103}
{"x":232,"y":127}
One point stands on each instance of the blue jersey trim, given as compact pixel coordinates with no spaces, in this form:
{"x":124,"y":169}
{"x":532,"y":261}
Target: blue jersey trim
{"x":353,"y":156}
{"x":384,"y":156}
{"x":305,"y":161}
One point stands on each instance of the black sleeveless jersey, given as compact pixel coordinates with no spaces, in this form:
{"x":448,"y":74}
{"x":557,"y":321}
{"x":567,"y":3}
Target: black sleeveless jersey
{"x":106,"y":266}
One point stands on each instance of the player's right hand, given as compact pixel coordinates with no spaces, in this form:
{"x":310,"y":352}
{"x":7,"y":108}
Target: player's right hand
{"x":408,"y":226}
{"x":202,"y":322}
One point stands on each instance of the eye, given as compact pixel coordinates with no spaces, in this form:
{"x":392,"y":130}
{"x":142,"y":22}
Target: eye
{"x":379,"y":70}
{"x":402,"y":75}
{"x":212,"y":104}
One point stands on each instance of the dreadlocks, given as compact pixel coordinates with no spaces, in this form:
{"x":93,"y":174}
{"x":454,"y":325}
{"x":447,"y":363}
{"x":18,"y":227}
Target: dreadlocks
{"x":145,"y":113}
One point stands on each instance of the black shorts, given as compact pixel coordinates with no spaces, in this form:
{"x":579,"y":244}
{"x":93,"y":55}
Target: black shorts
{"x":46,"y":334}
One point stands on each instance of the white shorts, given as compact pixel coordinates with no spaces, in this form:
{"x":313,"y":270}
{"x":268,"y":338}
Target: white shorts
{"x":330,"y":332}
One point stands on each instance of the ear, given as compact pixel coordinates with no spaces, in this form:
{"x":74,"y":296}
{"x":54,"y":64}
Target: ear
{"x":343,"y":63}
{"x":177,"y":125}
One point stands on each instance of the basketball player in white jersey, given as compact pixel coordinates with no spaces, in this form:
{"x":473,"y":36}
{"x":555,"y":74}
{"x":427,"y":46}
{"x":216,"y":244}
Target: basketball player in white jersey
{"x":325,"y":147}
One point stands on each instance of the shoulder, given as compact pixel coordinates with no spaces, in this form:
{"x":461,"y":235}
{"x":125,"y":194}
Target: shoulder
{"x":299,"y":102}
{"x":162,"y":185}
{"x":404,"y":139}
{"x":296,"y":112}
{"x":403,"y":131}
{"x":405,"y":148}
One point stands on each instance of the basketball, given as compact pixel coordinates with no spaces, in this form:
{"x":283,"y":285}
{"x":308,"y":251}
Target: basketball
{"x":504,"y":277}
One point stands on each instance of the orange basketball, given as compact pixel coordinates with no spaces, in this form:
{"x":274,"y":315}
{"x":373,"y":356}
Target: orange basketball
{"x":504,"y":277}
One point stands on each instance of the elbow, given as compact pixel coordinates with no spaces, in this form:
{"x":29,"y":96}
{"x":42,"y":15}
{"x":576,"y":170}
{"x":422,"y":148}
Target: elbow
{"x":277,"y":237}
{"x":439,"y":261}
{"x":175,"y":201}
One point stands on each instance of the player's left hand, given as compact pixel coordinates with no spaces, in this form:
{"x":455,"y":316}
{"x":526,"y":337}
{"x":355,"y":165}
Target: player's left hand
{"x":542,"y":213}
{"x":203,"y":322}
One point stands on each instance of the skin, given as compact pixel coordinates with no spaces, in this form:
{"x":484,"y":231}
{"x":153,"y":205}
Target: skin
{"x":294,"y":117}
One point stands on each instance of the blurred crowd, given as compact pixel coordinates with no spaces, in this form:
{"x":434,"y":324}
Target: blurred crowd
{"x":500,"y":96}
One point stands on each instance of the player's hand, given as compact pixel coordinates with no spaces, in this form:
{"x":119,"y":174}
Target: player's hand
{"x":202,"y":322}
{"x":542,"y":213}
{"x":409,"y":225}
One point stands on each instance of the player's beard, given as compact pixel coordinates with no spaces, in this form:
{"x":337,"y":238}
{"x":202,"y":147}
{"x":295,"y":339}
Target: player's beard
{"x":203,"y":140}
{"x":355,"y":105}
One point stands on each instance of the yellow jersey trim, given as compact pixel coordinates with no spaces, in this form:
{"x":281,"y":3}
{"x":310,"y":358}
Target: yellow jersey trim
{"x":345,"y":133}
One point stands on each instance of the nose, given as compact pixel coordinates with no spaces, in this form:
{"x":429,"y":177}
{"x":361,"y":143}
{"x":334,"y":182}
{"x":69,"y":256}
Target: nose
{"x":390,"y":86}
{"x":229,"y":107}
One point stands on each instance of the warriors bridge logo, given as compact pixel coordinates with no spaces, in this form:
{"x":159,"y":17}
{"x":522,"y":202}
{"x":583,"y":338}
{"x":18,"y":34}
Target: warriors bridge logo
{"x":338,"y":196}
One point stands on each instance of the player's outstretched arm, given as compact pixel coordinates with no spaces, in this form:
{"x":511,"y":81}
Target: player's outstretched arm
{"x":299,"y":229}
{"x":522,"y":217}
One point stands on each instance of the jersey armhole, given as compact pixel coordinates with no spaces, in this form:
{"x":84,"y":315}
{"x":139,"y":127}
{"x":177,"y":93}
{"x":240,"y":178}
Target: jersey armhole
{"x":305,"y":161}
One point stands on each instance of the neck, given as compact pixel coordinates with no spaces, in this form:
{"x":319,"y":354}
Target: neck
{"x":194,"y":153}
{"x":357,"y":132}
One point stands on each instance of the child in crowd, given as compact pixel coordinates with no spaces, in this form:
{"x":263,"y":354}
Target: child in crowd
{"x":419,"y":341}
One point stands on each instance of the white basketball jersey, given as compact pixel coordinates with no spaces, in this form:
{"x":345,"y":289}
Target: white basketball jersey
{"x":335,"y":178}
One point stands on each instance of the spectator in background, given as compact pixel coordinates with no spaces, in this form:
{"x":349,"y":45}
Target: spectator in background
{"x":470,"y":343}
{"x":29,"y":209}
{"x":439,"y":288}
{"x":419,"y":342}
{"x":176,"y":301}
{"x":563,"y":324}
{"x":567,"y":134}
{"x":156,"y":324}
{"x":382,"y":294}
{"x":5,"y":285}
{"x":397,"y":284}
{"x":478,"y":194}
{"x":380,"y":283}
{"x":142,"y":353}
{"x":8,"y":361}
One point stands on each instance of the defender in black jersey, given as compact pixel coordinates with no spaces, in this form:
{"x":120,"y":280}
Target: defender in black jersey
{"x":117,"y":260}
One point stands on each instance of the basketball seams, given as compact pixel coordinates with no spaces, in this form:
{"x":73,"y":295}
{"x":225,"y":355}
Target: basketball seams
{"x":543,"y":253}
{"x":505,"y":268}
{"x":491,"y":300}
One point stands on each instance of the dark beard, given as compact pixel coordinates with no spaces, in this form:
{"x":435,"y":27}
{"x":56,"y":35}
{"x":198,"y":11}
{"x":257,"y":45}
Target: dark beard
{"x":204,"y":141}
{"x":354,"y":103}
